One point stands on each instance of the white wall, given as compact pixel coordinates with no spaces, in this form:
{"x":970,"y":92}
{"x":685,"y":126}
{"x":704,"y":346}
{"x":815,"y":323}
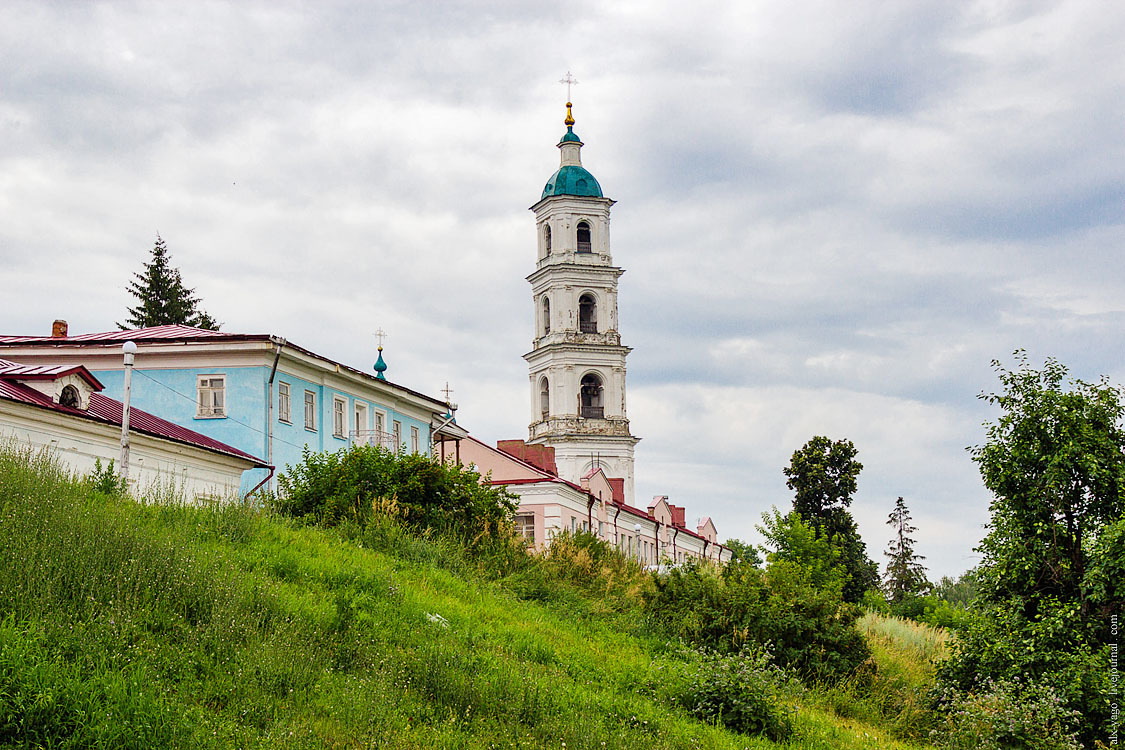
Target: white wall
{"x":194,"y":473}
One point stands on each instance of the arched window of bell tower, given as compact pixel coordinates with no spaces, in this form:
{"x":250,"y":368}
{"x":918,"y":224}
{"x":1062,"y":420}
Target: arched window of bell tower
{"x":546,"y":315}
{"x":584,"y":244}
{"x":69,"y":397}
{"x":546,"y":239}
{"x":590,"y":397}
{"x":587,"y":314}
{"x":544,"y":398}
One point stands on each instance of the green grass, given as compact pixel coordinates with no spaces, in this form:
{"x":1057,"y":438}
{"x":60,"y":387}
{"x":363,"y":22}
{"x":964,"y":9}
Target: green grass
{"x":893,"y":694}
{"x":126,"y":624}
{"x":916,"y":643}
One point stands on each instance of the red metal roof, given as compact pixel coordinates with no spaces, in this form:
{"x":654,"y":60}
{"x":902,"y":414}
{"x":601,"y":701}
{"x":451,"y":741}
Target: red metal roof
{"x":177,"y":332}
{"x":159,"y":334}
{"x":46,"y":372}
{"x":540,"y":456}
{"x":107,"y":410}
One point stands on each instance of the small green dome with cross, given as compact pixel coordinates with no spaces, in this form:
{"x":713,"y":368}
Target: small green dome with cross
{"x":572,"y":178}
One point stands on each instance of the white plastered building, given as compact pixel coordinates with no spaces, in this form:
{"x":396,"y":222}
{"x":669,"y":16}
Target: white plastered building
{"x":577,"y":361}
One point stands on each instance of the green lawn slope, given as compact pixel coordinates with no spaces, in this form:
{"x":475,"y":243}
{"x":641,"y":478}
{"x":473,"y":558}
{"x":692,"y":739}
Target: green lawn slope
{"x":150,"y":624}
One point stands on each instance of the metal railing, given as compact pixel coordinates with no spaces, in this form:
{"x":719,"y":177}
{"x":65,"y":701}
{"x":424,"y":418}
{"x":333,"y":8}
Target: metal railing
{"x":592,"y":412}
{"x":374,"y":437}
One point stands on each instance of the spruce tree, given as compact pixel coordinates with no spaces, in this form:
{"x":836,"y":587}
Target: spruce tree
{"x":162,"y":297}
{"x":906,"y":576}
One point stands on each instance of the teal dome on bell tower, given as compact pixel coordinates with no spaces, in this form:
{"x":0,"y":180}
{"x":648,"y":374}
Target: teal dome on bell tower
{"x":571,"y":178}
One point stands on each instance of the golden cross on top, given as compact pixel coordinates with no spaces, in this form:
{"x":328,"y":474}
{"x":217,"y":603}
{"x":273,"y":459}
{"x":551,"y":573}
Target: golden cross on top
{"x":380,"y":334}
{"x":569,"y":80}
{"x":447,"y":391}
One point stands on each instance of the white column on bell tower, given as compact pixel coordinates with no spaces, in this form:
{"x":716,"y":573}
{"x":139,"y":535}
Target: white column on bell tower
{"x":577,"y":362}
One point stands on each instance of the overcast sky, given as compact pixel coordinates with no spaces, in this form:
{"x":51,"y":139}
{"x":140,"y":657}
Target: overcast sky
{"x":833,"y":215}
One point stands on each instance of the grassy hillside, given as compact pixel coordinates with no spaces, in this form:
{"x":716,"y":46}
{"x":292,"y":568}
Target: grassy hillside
{"x":126,"y":624}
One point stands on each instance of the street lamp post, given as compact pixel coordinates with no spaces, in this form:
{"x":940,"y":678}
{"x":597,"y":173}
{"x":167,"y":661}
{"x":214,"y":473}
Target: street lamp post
{"x":128,"y":349}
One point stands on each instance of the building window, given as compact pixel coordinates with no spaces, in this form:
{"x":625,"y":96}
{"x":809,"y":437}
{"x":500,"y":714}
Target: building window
{"x":361,"y":424}
{"x":584,"y":245}
{"x":544,"y":398}
{"x":415,"y":440}
{"x":547,"y":238}
{"x":284,"y":402}
{"x":69,"y":397}
{"x":587,"y":314}
{"x":310,"y":410}
{"x":396,"y":431}
{"x":591,"y":397}
{"x":380,"y":427}
{"x":546,"y":315}
{"x":339,"y":420}
{"x":212,"y":400}
{"x":525,"y":527}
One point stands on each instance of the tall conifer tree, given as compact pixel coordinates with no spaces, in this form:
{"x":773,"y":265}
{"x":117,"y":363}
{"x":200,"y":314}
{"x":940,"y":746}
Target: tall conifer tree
{"x":905,"y":576}
{"x":162,"y":297}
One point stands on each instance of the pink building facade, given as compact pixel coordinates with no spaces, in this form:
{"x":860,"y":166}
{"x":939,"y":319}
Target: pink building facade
{"x":550,"y":505}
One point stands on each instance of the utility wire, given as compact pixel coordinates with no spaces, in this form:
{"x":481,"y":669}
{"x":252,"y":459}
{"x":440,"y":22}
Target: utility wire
{"x":236,"y":421}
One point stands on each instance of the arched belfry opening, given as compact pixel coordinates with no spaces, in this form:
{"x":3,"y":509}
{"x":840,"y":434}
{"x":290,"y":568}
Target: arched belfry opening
{"x":546,"y":239}
{"x":546,"y":305}
{"x":587,"y":314}
{"x":584,"y":244}
{"x":544,"y":398}
{"x":590,"y":397}
{"x":69,"y":397}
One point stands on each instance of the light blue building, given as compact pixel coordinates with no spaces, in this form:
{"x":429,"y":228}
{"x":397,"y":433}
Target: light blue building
{"x":256,"y":392}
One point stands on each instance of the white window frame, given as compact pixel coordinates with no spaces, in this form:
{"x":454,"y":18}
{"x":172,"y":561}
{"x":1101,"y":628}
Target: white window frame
{"x":284,"y":402}
{"x":396,"y":431}
{"x":525,"y":526}
{"x":206,"y":391}
{"x":339,"y":417}
{"x":380,"y":429}
{"x":415,"y":439}
{"x":310,"y":410}
{"x":359,"y":415}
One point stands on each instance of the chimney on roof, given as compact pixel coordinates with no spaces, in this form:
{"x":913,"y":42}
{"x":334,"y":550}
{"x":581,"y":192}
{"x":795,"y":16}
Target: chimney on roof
{"x":58,"y":329}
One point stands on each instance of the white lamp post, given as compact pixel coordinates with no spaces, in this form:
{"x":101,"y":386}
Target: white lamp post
{"x":128,"y":349}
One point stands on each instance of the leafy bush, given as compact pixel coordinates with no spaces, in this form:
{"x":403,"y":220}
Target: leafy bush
{"x":105,"y":480}
{"x":1009,"y":714}
{"x":355,"y":483}
{"x":811,"y":629}
{"x":615,"y":580}
{"x":941,"y":614}
{"x":1006,"y":647}
{"x":743,"y":691}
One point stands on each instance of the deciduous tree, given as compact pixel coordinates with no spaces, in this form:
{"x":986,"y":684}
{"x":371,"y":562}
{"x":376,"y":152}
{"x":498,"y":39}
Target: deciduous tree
{"x":1050,"y":577}
{"x":823,"y":475}
{"x":1055,"y":463}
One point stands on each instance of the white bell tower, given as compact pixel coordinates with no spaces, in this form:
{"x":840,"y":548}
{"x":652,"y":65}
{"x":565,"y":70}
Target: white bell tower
{"x":577,"y":361}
